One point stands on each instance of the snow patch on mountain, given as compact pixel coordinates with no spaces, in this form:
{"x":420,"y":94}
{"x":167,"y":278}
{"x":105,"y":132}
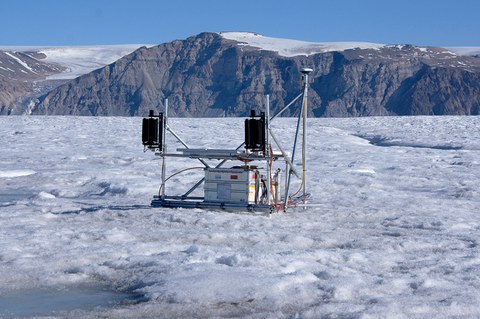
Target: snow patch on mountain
{"x":22,"y":63}
{"x":289,"y":48}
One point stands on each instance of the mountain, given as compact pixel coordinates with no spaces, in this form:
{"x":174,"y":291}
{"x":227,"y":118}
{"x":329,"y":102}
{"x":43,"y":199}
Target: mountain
{"x":19,"y":73}
{"x":29,"y":72}
{"x":217,"y":74}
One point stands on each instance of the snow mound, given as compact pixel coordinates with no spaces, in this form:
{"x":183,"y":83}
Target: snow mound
{"x":289,"y":48}
{"x":16,"y":173}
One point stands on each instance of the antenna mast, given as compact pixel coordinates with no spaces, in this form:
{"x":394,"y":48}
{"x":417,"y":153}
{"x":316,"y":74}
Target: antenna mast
{"x":305,"y":72}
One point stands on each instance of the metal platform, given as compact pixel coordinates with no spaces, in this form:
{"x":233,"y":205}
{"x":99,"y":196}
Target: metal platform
{"x":219,"y":154}
{"x":188,"y":203}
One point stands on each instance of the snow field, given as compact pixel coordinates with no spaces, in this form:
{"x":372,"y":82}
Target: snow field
{"x":289,"y":48}
{"x":392,"y":230}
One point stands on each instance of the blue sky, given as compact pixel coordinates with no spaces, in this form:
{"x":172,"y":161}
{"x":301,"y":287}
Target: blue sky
{"x":91,"y":22}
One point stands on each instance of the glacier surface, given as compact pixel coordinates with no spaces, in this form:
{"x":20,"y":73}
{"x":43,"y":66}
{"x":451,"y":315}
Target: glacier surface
{"x":392,"y":230}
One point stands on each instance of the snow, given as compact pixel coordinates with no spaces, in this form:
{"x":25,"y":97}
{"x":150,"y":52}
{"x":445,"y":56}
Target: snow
{"x":15,"y":173}
{"x":25,"y":65}
{"x":465,"y":51}
{"x":289,"y":48}
{"x":392,"y":230}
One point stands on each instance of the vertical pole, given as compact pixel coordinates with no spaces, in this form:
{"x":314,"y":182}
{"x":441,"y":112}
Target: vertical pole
{"x":304,"y":142}
{"x":164,"y":128}
{"x":267,"y":151}
{"x":287,"y":185}
{"x":305,"y":72}
{"x":289,"y":169}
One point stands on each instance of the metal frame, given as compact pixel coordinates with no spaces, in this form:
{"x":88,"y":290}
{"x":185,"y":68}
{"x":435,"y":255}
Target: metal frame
{"x":187,"y":201}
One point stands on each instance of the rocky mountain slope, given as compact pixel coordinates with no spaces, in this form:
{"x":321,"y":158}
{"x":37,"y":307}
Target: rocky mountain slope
{"x":29,"y":72}
{"x":217,"y":74}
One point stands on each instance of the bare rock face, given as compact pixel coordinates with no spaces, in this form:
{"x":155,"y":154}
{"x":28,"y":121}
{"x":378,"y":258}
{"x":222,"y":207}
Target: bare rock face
{"x":209,"y":75}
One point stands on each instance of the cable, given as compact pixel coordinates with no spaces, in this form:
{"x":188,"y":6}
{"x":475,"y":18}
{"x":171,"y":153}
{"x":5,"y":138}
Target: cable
{"x":179,"y":172}
{"x":269,"y":163}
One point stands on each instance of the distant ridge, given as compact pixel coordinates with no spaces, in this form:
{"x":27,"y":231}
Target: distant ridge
{"x":228,"y":73}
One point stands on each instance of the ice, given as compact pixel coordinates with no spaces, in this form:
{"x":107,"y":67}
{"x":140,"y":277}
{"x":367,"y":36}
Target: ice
{"x":465,"y":50}
{"x":392,"y":229}
{"x":57,"y":302}
{"x":84,"y":59}
{"x":289,"y":48}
